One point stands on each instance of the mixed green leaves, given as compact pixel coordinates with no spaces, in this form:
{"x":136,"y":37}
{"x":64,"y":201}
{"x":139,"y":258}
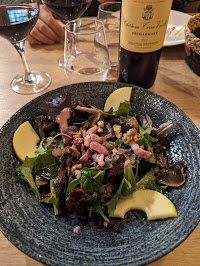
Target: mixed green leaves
{"x":91,"y":180}
{"x":123,"y":109}
{"x":148,"y":181}
{"x":146,"y":139}
{"x":44,"y":144}
{"x":127,"y":186}
{"x":98,"y":207}
{"x":72,"y":184}
{"x":129,"y":180}
{"x":26,"y":172}
{"x":91,"y":189}
{"x":45,"y":165}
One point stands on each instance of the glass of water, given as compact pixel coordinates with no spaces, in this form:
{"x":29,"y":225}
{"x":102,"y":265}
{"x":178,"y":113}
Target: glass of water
{"x":85,"y":53}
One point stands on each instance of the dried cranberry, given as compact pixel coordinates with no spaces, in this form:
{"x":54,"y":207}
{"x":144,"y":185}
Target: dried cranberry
{"x":78,"y":141}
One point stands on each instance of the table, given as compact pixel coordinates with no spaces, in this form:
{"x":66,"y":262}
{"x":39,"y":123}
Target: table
{"x":175,"y":81}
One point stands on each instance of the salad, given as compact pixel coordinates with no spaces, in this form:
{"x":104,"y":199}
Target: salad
{"x":88,"y":159}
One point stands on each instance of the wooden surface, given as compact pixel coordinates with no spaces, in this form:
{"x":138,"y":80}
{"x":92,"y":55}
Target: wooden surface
{"x":175,"y":81}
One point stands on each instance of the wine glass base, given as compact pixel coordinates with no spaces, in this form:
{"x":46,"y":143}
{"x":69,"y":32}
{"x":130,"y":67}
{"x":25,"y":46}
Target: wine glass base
{"x":41,"y":81}
{"x":61,"y":61}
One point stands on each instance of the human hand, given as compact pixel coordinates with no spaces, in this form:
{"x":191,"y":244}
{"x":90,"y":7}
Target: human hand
{"x":47,"y":30}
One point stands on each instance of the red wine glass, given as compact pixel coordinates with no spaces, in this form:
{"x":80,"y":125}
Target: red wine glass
{"x":67,"y":10}
{"x":16,"y":22}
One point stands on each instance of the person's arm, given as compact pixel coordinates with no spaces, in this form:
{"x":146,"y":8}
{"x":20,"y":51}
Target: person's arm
{"x":47,"y":30}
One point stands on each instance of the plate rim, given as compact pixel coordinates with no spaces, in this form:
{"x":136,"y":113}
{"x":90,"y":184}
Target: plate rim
{"x":8,"y":234}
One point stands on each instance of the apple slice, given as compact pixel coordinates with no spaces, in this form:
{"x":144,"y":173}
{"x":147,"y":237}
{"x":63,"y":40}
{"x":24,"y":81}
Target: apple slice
{"x":116,"y":97}
{"x":153,"y":203}
{"x":25,"y":141}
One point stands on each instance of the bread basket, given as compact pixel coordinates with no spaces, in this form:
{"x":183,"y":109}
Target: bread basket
{"x":192,"y":43}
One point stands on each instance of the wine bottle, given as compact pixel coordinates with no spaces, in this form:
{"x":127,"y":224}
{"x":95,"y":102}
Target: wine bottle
{"x":142,"y":31}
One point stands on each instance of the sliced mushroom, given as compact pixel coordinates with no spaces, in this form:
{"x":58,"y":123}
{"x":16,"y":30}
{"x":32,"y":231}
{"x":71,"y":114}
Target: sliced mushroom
{"x":175,"y":176}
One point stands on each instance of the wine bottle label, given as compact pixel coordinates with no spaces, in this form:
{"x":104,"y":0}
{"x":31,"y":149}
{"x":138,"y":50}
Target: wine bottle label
{"x":143,"y":24}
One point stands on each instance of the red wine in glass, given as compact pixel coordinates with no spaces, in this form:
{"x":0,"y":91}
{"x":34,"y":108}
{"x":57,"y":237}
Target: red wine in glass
{"x":16,"y":28}
{"x":67,"y":10}
{"x":16,"y":22}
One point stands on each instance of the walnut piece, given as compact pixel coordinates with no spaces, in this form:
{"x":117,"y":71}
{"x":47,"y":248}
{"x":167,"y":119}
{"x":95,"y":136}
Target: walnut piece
{"x":100,"y":125}
{"x":131,"y":134}
{"x":117,"y":130}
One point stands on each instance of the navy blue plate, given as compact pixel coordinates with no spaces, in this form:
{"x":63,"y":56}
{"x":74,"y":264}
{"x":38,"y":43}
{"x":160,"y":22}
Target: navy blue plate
{"x":34,"y":229}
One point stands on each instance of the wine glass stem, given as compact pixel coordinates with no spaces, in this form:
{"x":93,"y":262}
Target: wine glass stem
{"x":28,"y":76}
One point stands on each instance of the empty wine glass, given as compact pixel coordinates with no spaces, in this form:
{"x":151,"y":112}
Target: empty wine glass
{"x":67,"y":10}
{"x":86,"y":54}
{"x":16,"y":22}
{"x":109,"y":14}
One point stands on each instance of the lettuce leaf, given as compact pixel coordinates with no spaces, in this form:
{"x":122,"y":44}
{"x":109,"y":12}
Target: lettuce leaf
{"x":25,"y":172}
{"x":72,"y":184}
{"x":111,"y":204}
{"x":44,"y":144}
{"x":88,"y":182}
{"x":123,"y":109}
{"x":146,"y":139}
{"x":47,"y":165}
{"x":148,"y":181}
{"x":127,"y":186}
{"x":98,"y":208}
{"x":129,"y":180}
